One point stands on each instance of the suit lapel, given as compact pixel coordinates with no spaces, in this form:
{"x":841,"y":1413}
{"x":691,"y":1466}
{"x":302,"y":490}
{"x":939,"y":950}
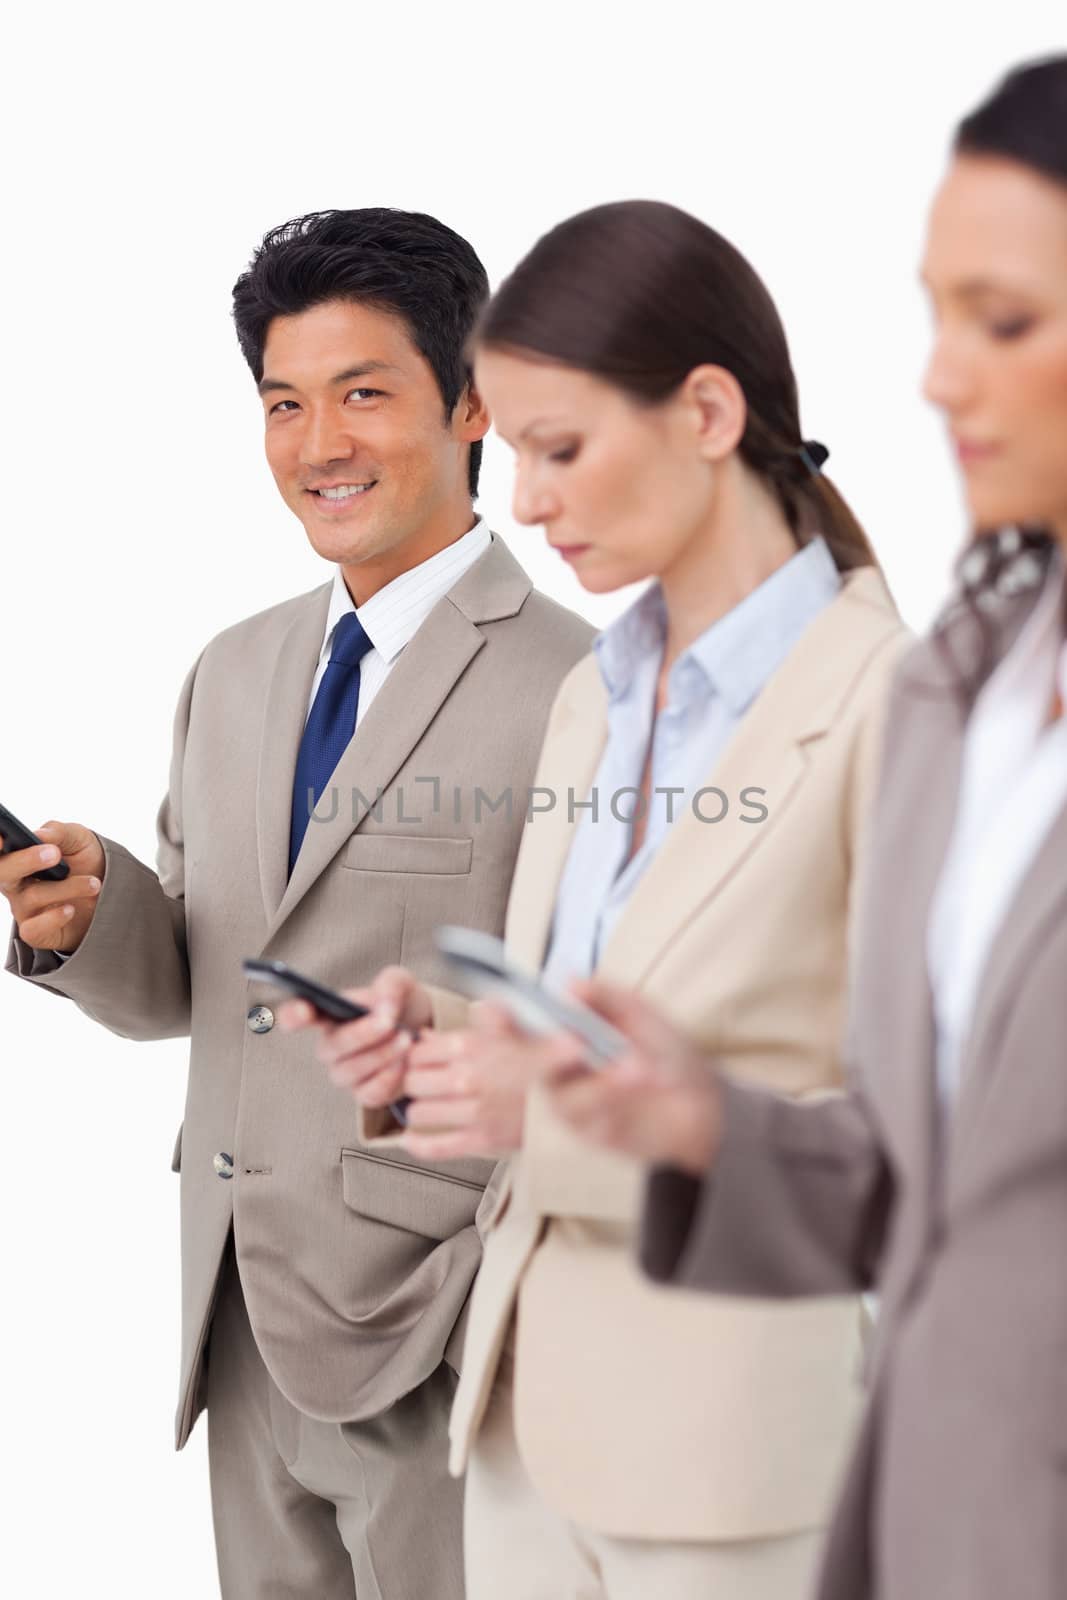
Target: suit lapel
{"x":568,"y":765}
{"x":697,"y":858}
{"x":914,"y":821}
{"x":413,"y":693}
{"x":769,"y":750}
{"x":283,"y":724}
{"x":1038,"y":901}
{"x":912,"y":827}
{"x":403,"y":709}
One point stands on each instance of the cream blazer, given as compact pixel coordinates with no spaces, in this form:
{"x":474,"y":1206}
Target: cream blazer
{"x":656,"y":1412}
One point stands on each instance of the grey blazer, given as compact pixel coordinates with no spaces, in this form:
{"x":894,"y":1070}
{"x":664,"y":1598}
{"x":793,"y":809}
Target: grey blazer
{"x":957,"y":1488}
{"x":356,"y":1265}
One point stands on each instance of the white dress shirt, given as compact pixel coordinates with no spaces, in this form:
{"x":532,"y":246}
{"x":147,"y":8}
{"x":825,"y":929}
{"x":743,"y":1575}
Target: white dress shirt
{"x":709,"y":689}
{"x":392,"y":617}
{"x":1013,"y":784}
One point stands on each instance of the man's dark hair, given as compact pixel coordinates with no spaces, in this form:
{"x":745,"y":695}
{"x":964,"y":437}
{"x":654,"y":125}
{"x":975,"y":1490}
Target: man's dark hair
{"x":400,"y":261}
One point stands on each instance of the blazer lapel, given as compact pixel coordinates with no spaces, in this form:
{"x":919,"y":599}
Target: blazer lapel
{"x":283,"y":724}
{"x":914,"y":823}
{"x":416,"y":688}
{"x":697,"y":858}
{"x":568,"y":765}
{"x":769,"y":751}
{"x":1040,"y":898}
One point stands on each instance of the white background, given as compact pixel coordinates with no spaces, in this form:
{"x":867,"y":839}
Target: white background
{"x":146,"y":150}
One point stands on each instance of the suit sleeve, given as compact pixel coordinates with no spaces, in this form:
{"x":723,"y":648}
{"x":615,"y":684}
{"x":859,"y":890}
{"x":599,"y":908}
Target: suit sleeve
{"x":131,"y":971}
{"x":799,"y":1197}
{"x":796,"y":1204}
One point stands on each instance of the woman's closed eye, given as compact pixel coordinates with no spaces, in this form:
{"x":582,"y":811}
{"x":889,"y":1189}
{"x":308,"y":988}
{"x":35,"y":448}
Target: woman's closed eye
{"x":1007,"y":328}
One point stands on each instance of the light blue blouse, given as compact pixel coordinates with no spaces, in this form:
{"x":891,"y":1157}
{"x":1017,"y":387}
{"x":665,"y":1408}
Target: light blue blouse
{"x":709,"y":689}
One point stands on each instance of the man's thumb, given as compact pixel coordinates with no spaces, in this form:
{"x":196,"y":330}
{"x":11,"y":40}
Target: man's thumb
{"x":70,"y":837}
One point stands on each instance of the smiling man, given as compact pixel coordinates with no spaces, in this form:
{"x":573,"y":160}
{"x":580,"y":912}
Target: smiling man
{"x":324,"y":1282}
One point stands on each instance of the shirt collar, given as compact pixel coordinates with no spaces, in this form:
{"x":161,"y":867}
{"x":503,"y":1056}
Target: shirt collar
{"x":736,"y":656}
{"x":391,"y":617}
{"x":1037,"y":661}
{"x":630,"y":640}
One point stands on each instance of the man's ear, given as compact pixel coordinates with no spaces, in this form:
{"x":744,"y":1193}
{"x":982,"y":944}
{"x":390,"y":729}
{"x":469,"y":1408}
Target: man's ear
{"x":470,"y":419}
{"x":717,"y":411}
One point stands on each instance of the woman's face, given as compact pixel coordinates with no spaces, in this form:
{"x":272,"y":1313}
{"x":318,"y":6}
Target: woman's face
{"x":996,"y":270}
{"x":619,"y":488}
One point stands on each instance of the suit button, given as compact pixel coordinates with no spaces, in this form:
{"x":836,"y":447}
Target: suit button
{"x":223,"y":1165}
{"x":260,"y":1019}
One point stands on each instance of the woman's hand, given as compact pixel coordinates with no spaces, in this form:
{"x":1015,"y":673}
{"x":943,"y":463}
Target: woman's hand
{"x":468,"y":1086}
{"x":368,"y":1056}
{"x":659,"y":1102}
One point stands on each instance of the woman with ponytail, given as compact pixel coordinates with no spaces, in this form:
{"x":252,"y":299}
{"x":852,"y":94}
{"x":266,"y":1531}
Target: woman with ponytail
{"x":707,"y":772}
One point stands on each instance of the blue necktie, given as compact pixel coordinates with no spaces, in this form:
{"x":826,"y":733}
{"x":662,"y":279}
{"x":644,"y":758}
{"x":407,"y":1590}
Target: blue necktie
{"x":330,"y":725}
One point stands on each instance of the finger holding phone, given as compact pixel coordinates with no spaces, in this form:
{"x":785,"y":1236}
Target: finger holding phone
{"x":368,"y":1056}
{"x":51,"y":912}
{"x":467,"y":1087}
{"x":660,"y":1102}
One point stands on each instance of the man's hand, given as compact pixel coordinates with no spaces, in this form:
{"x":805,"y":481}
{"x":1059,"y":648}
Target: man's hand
{"x":54,"y":916}
{"x":468,"y":1086}
{"x":368,"y":1056}
{"x":659,"y":1102}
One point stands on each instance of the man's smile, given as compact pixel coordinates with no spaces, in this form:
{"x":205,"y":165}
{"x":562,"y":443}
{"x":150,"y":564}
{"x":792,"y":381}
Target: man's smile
{"x":336,"y":497}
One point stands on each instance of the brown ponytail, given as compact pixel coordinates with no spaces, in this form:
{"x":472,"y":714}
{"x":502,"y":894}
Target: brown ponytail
{"x":811,"y":501}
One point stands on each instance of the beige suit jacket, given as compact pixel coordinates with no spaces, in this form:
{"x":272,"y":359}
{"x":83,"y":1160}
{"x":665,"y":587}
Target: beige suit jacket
{"x":957,"y":1488}
{"x":355,"y":1264}
{"x":642,"y":1411}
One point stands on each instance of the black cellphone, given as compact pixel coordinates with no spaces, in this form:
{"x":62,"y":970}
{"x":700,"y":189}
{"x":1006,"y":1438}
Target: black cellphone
{"x":327,"y":1002}
{"x":16,"y":836}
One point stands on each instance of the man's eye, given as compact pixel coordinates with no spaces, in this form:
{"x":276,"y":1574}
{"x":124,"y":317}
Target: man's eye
{"x":280,"y":405}
{"x":363,"y":394}
{"x":568,"y":453}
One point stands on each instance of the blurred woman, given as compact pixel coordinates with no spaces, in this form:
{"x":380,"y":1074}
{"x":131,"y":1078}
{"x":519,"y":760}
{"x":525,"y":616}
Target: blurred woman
{"x":707,"y":772}
{"x":942,"y":1176}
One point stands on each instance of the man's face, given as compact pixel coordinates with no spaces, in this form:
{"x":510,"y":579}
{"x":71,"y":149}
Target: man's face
{"x":358,"y":441}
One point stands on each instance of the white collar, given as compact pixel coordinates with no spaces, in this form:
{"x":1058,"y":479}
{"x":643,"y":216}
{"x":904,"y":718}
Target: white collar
{"x":391,"y":617}
{"x":1022,"y":683}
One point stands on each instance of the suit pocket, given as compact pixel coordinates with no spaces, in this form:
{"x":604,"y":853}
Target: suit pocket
{"x":419,"y":1199}
{"x":399,"y":852}
{"x":176,"y":1156}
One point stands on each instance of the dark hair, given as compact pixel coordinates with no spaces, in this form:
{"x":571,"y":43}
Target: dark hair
{"x":1023,"y":120}
{"x":400,"y":261}
{"x":639,"y":293}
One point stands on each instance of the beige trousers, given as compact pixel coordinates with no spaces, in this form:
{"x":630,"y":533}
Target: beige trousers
{"x":518,"y":1548}
{"x":331,"y":1511}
